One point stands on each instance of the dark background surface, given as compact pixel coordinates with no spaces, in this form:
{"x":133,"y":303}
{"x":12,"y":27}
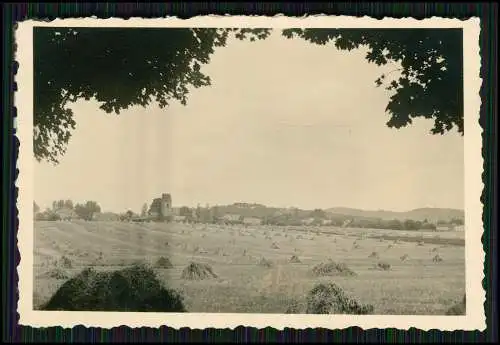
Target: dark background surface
{"x":12,"y":13}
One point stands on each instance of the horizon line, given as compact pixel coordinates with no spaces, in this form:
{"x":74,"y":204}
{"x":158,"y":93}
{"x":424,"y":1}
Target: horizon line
{"x":286,"y":207}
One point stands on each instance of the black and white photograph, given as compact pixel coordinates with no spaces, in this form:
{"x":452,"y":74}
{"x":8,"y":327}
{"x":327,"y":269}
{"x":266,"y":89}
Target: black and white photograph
{"x":315,"y":171}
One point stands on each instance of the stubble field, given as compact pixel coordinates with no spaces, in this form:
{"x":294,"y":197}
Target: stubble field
{"x":415,"y":284}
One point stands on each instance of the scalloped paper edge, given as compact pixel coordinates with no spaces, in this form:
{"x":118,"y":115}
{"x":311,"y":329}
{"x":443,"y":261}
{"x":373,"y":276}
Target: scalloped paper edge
{"x":475,"y":257}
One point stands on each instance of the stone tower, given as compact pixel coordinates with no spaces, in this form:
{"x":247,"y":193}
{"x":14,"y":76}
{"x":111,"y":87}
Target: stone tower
{"x":166,"y":204}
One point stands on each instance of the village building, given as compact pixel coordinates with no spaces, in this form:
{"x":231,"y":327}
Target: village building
{"x":444,"y":228}
{"x":66,"y":214}
{"x":326,"y":222}
{"x":231,"y":218}
{"x":252,"y":221}
{"x":346,"y":223}
{"x":180,"y":219}
{"x":308,"y":221}
{"x":161,"y":207}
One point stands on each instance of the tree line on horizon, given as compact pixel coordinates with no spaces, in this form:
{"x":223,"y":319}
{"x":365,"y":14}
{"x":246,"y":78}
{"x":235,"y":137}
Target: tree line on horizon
{"x":85,"y":210}
{"x":215,"y":215}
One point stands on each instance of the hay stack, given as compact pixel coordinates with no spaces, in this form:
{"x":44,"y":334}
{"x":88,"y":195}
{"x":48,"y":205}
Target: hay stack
{"x":134,"y":289}
{"x":163,"y":262}
{"x":374,"y":255}
{"x":331,"y":299}
{"x":437,"y":258}
{"x":382,"y":266}
{"x":275,"y":246}
{"x":198,"y":271}
{"x":65,"y":262}
{"x":331,"y":268}
{"x":266,"y":263}
{"x":294,"y":259}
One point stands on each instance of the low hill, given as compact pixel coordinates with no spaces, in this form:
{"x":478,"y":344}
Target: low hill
{"x":431,"y":214}
{"x":261,"y":211}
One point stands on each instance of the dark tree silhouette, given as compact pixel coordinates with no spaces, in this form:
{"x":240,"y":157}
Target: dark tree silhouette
{"x":431,"y":81}
{"x":68,"y":204}
{"x":86,"y":211}
{"x":185,"y":211}
{"x":129,"y":214}
{"x":128,"y":66}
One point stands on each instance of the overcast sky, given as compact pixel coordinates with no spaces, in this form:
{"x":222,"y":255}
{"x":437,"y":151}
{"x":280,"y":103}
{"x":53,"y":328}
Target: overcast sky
{"x":285,"y":123}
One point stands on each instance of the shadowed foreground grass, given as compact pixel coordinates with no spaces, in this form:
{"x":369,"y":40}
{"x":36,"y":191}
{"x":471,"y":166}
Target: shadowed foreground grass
{"x":250,"y":275}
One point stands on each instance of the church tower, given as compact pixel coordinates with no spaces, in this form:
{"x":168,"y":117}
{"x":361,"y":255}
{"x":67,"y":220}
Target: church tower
{"x":166,"y":205}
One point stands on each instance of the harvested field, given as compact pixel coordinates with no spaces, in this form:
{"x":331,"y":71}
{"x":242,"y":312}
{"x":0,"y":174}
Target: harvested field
{"x":414,"y":285}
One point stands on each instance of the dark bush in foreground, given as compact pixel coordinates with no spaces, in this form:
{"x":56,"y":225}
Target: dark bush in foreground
{"x":130,"y":289}
{"x":457,"y":309}
{"x":331,"y":299}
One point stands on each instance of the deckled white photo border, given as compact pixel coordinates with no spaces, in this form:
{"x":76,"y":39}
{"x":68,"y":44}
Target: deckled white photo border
{"x":474,"y":254}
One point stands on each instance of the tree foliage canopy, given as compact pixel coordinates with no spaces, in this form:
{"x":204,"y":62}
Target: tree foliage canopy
{"x":87,"y":210}
{"x":124,"y":67}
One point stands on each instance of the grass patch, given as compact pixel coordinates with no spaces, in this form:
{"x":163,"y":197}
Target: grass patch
{"x":457,"y":309}
{"x":56,"y":273}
